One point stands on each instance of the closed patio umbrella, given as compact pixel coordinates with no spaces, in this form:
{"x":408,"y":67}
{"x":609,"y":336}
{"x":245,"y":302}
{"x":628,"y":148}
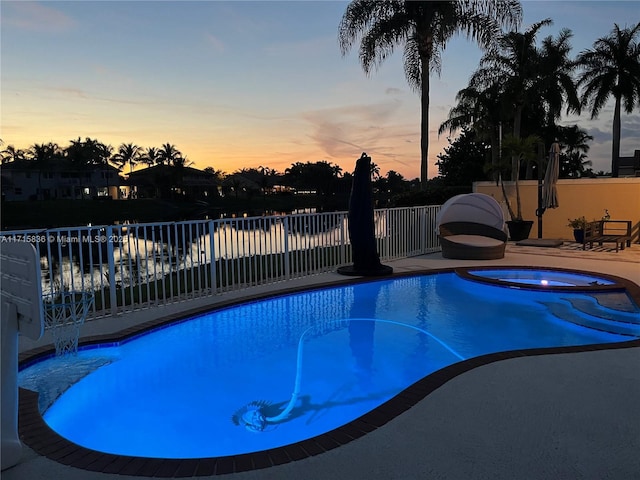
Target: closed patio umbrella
{"x":366,"y":260}
{"x":549,"y":191}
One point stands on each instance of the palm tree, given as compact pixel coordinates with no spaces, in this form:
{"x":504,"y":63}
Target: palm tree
{"x":180,"y":162}
{"x":394,"y":183}
{"x":575,"y":138}
{"x":169,"y":154}
{"x":217,"y":176}
{"x":511,"y":66}
{"x":320,"y":176}
{"x":90,"y":155}
{"x":88,"y":152}
{"x":150,"y":156}
{"x":424,"y":27}
{"x":555,"y":85}
{"x":515,"y":151}
{"x":573,"y":164}
{"x":534,"y":82}
{"x":264,"y":178}
{"x":42,"y":154}
{"x":481,"y":110}
{"x":98,"y":152}
{"x":11,"y":154}
{"x":575,"y":146}
{"x":77,"y":153}
{"x":612,"y":68}
{"x":375,"y":171}
{"x":127,"y":153}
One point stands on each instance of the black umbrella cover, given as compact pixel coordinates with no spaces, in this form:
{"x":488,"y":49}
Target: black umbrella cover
{"x":361,"y":225}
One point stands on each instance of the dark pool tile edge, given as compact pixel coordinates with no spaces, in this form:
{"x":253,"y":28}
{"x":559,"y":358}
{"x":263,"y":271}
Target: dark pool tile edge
{"x":36,"y":434}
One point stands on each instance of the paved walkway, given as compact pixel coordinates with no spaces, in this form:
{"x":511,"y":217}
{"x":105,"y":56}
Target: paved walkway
{"x":564,"y":416}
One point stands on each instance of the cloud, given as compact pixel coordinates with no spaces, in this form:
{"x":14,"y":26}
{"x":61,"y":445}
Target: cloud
{"x":341,"y":131}
{"x":599,"y":136}
{"x":36,"y":17}
{"x":393,"y":91}
{"x":216,"y":44}
{"x":600,"y":148}
{"x":70,"y":92}
{"x":629,"y":132}
{"x":74,"y":93}
{"x":630,"y":128}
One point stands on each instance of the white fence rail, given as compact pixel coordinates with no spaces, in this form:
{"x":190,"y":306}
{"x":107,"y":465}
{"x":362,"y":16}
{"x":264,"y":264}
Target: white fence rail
{"x":136,"y":266}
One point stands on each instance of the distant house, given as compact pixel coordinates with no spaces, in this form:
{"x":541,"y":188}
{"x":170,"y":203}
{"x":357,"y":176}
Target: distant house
{"x":629,"y":166}
{"x":167,"y":181}
{"x":239,"y":186}
{"x":59,"y":179}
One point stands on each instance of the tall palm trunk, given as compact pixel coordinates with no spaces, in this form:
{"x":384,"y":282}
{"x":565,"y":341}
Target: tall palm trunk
{"x":495,"y":139}
{"x":517,"y":122}
{"x":424,"y":122}
{"x":512,"y":214}
{"x":615,"y":148}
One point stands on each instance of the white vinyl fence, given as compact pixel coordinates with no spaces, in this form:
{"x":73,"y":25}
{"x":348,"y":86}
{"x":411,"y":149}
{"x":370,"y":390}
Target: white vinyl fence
{"x":134,"y":266}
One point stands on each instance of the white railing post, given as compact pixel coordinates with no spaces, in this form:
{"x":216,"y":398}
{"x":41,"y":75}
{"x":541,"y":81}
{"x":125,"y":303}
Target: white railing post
{"x":287,"y":264}
{"x":343,"y":243}
{"x":212,"y":256}
{"x":386,"y":235}
{"x":422,"y":221}
{"x":112,"y":271}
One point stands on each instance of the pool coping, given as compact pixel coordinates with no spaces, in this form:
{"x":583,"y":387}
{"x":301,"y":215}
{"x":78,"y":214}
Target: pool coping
{"x":36,"y":434}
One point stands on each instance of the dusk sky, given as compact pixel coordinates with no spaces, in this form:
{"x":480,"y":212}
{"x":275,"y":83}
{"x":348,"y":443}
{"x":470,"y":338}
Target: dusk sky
{"x":236,"y":84}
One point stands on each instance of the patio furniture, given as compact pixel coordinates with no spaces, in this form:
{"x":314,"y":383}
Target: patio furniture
{"x":472,"y":227}
{"x":607,"y":231}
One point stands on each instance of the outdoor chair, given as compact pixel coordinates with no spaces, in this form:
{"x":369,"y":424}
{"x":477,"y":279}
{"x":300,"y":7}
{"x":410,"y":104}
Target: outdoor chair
{"x":472,"y":227}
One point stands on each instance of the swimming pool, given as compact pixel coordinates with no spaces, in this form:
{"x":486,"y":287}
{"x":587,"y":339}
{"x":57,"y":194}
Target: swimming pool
{"x":183,"y":391}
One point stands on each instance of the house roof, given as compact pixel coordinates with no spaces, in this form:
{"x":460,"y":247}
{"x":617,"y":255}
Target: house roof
{"x":189,"y":176}
{"x":168,"y":169}
{"x":241,"y":181}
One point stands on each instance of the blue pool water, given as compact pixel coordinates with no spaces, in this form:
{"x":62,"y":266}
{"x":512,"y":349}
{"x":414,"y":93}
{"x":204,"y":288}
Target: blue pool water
{"x":178,"y":392}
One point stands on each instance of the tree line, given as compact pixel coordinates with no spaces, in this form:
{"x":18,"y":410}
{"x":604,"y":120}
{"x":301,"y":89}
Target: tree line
{"x":321,"y":177}
{"x":519,"y":87}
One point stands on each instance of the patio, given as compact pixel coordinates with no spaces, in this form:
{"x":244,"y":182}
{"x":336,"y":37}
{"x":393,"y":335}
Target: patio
{"x":554,"y":416}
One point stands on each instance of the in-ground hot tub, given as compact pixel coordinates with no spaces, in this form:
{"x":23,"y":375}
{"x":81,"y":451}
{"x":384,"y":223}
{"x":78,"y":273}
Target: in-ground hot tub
{"x":545,"y":278}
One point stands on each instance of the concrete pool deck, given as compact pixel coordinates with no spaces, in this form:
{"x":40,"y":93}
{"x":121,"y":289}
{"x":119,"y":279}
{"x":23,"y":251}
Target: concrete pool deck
{"x":574,"y":415}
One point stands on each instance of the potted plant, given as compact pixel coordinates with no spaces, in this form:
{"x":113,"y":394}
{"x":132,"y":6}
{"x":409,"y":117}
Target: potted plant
{"x":578,"y":225}
{"x":514,"y":151}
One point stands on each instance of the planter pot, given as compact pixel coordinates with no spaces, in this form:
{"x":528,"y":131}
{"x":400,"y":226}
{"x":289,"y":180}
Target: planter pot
{"x":519,"y":229}
{"x":578,"y":235}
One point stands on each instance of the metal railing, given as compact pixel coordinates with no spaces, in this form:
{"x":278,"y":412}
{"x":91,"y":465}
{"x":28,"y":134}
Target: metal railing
{"x":134,"y":266}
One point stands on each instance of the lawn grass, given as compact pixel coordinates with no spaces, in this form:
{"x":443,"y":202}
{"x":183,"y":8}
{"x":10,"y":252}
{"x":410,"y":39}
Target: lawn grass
{"x":252,"y":270}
